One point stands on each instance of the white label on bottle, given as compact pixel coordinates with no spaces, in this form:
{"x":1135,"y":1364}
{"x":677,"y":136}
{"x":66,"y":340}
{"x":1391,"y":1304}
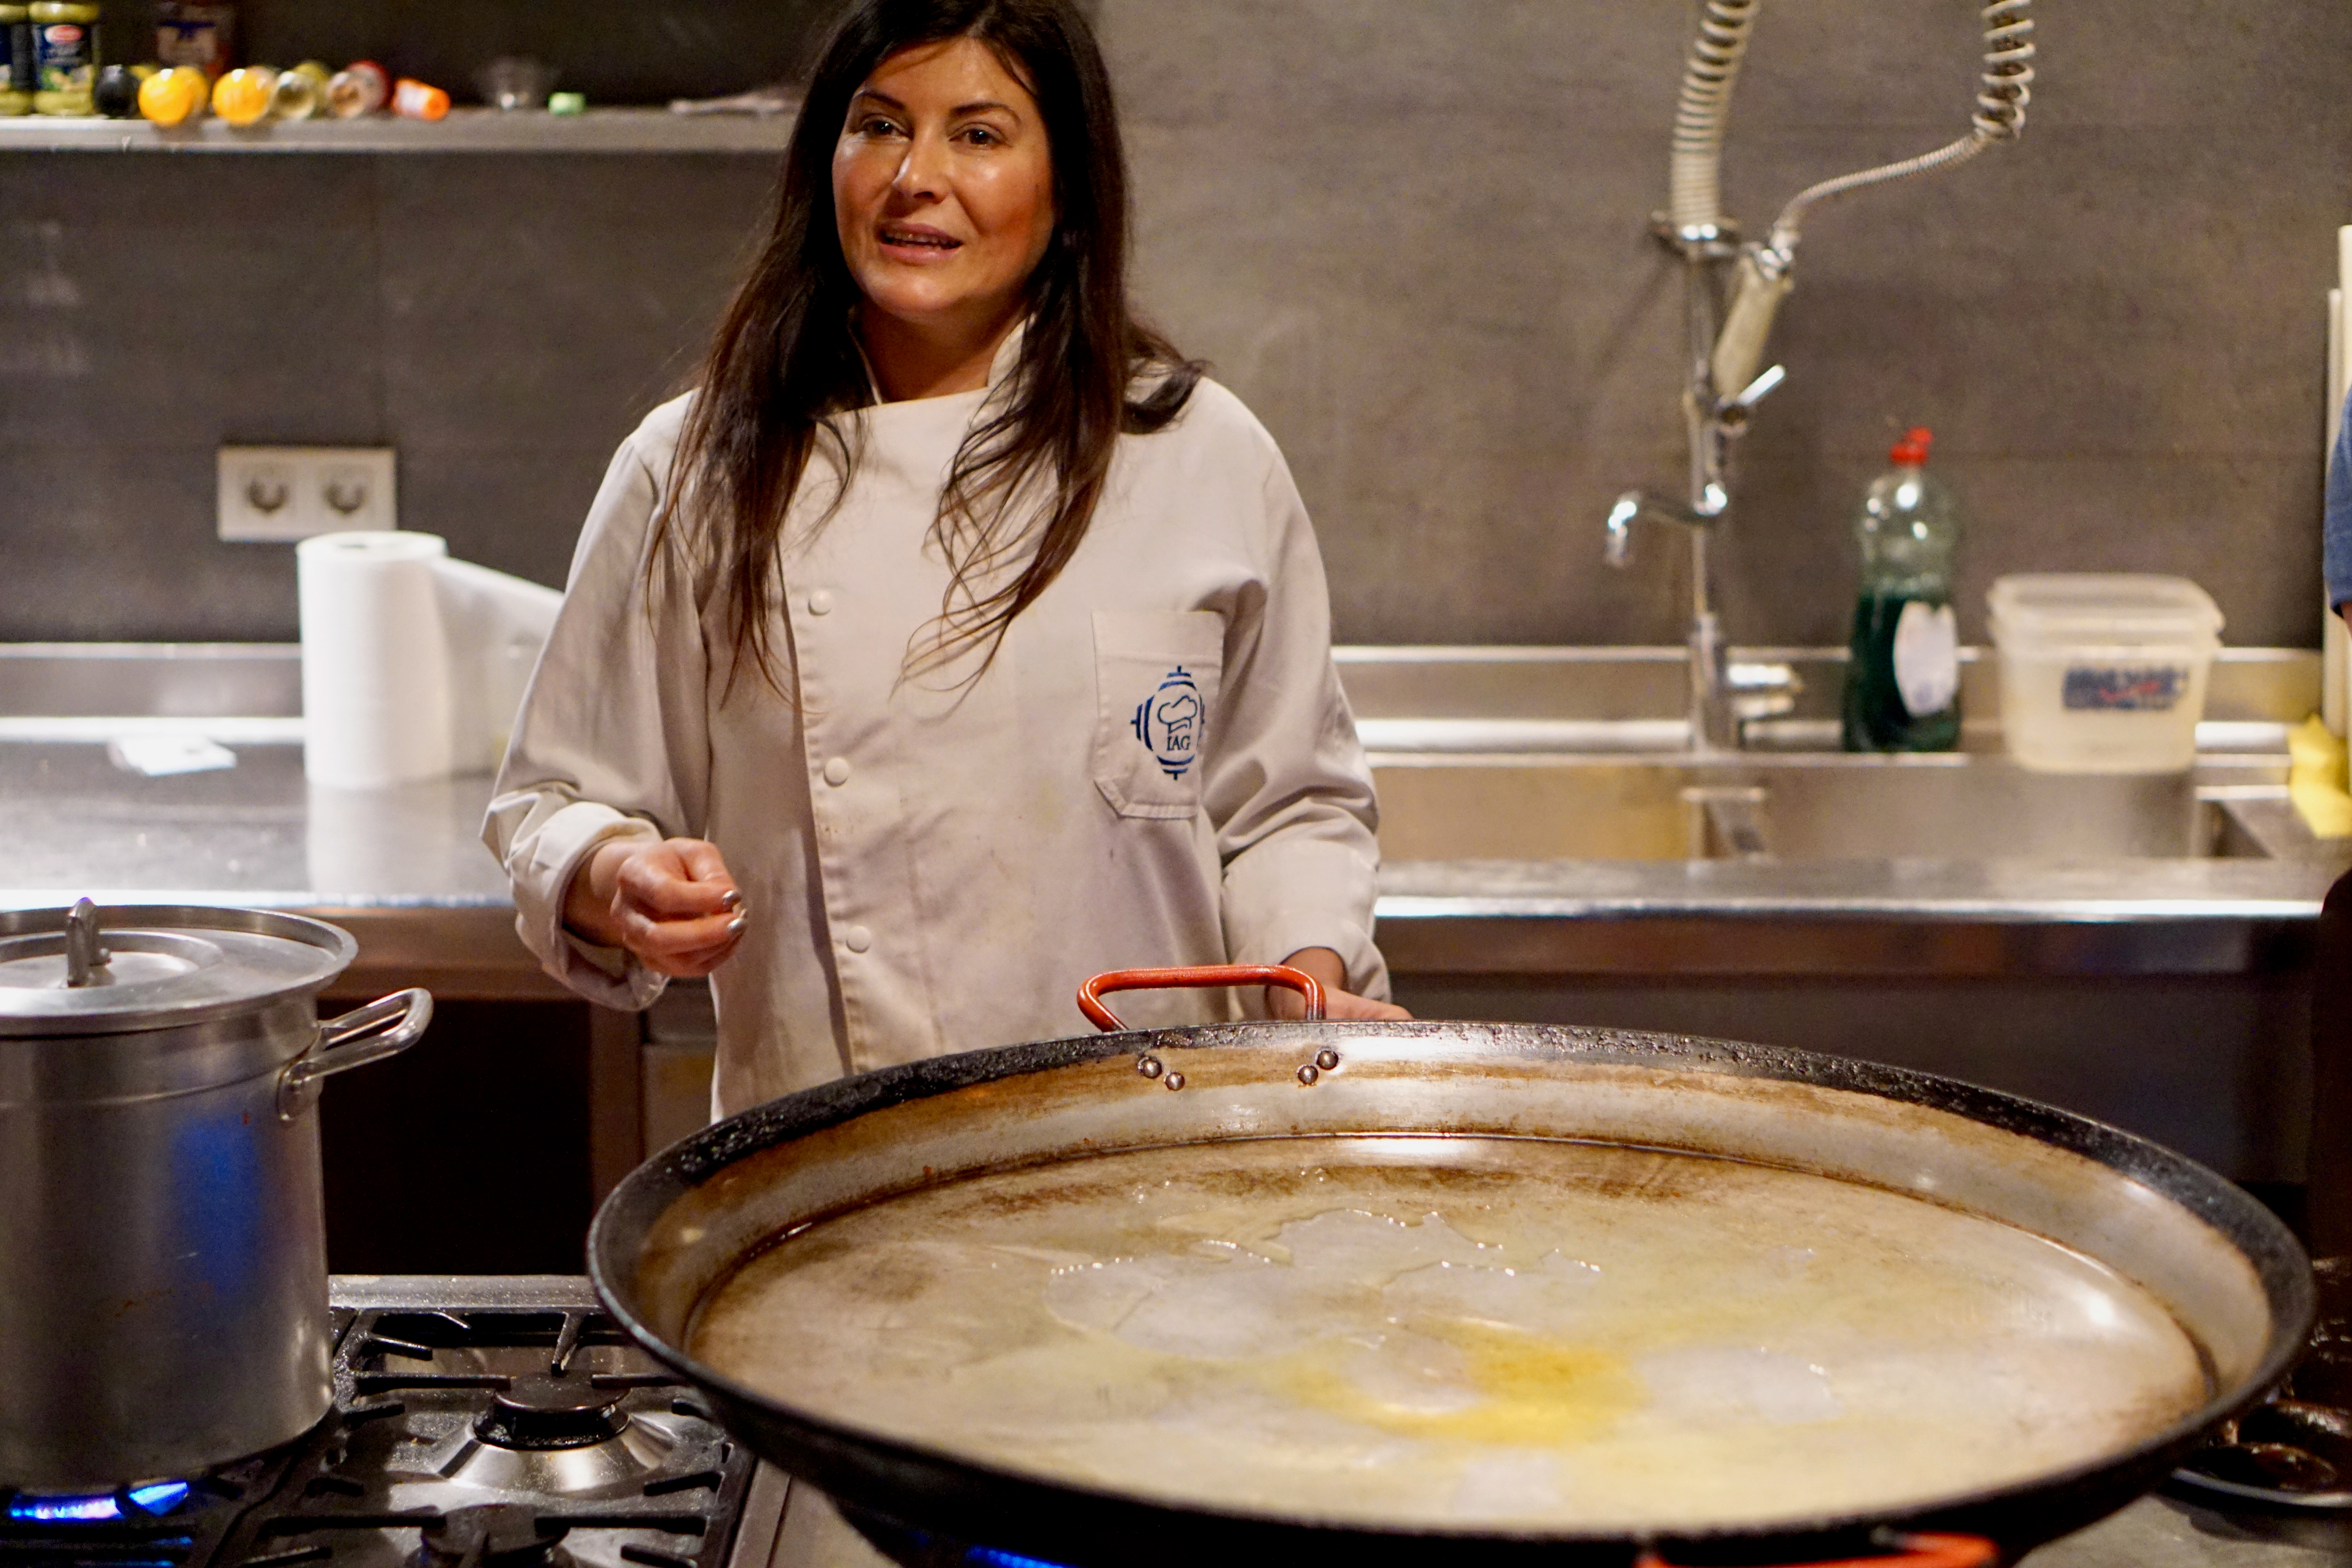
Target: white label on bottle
{"x":1927,"y":657}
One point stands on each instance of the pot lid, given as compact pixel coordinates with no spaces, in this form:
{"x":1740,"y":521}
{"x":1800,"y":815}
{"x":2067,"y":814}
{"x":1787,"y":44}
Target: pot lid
{"x":88,"y":971}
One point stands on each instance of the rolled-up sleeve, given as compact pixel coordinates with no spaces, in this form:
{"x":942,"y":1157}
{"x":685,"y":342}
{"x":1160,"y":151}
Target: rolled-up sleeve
{"x":612,"y":740}
{"x":1287,"y":788}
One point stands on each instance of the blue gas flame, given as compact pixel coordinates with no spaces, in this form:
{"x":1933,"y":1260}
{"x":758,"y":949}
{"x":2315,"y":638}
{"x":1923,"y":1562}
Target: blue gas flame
{"x":54,"y":1509}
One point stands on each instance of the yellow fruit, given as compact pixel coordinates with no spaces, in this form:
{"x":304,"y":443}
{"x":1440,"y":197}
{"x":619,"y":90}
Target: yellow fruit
{"x":169,"y":97}
{"x":242,"y":96}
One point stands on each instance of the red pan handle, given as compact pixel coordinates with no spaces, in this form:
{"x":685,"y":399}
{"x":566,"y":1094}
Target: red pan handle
{"x":1917,"y":1552}
{"x":1090,"y":992}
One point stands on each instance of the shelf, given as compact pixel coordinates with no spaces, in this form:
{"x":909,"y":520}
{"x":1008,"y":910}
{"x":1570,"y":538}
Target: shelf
{"x":465,"y":130}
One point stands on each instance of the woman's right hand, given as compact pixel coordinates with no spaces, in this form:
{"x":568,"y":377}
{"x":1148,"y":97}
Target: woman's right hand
{"x":672,"y":904}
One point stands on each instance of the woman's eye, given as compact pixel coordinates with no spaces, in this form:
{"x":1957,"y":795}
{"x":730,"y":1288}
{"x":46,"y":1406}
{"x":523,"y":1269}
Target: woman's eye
{"x":877,"y":125}
{"x":982,"y":136}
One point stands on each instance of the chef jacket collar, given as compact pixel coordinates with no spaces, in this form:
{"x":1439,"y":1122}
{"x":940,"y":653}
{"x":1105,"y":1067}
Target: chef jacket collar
{"x":999,"y":369}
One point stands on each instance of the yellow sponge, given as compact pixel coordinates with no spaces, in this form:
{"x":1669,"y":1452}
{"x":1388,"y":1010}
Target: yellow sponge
{"x":2315,"y":780}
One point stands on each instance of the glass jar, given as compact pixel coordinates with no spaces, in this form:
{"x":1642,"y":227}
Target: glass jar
{"x":20,"y":67}
{"x":65,"y":53}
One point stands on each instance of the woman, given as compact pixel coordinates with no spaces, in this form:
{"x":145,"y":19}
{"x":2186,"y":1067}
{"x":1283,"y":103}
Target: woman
{"x":955,"y":639}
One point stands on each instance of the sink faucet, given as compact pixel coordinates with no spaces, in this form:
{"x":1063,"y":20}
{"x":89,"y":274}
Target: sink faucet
{"x":1722,"y":695}
{"x":1732,"y":293}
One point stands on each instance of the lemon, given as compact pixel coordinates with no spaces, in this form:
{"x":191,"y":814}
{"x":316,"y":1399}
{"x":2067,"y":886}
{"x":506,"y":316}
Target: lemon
{"x":169,"y":97}
{"x":242,"y":96}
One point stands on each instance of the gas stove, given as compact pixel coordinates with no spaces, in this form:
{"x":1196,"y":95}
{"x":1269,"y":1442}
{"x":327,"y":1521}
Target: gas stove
{"x":501,"y":1422}
{"x":505,"y":1422}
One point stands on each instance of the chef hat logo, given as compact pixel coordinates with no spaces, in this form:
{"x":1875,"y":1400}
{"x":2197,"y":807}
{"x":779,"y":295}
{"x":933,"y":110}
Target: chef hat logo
{"x":1168,"y":722}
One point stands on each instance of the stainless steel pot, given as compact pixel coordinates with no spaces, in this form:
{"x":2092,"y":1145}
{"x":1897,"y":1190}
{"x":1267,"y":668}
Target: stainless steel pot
{"x":1465,"y":1099}
{"x":162,"y":1245}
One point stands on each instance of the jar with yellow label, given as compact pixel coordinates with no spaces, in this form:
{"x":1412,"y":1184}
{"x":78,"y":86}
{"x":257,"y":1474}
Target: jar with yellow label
{"x":65,"y":54}
{"x":18,"y":68}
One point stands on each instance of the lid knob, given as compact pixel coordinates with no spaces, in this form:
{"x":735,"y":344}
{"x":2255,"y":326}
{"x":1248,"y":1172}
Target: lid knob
{"x":84,"y":956}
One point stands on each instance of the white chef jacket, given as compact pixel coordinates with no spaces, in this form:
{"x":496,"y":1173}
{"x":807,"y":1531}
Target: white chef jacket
{"x":1158,"y":768}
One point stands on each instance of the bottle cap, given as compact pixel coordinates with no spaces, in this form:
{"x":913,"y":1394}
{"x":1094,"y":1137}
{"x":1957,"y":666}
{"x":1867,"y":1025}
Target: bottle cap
{"x":1913,"y":447}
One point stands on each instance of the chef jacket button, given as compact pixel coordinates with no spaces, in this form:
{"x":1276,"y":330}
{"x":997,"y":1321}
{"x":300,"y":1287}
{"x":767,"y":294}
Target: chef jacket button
{"x":857,"y":938}
{"x":836,"y":771}
{"x":820,"y":603}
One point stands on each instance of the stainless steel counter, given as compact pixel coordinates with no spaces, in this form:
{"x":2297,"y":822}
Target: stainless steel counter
{"x":412,"y":856}
{"x":402,"y":868}
{"x":2137,"y":950}
{"x":1853,"y":919}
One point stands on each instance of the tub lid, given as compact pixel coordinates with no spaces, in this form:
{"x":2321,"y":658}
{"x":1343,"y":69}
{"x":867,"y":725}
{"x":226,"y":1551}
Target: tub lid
{"x":2102,"y":607}
{"x":90,"y":970}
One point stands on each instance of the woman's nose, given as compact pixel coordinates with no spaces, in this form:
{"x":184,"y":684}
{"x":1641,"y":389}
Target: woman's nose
{"x":923,"y":171}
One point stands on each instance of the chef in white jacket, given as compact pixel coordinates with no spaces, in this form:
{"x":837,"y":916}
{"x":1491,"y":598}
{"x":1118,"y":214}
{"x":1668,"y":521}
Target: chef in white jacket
{"x":955,"y":639}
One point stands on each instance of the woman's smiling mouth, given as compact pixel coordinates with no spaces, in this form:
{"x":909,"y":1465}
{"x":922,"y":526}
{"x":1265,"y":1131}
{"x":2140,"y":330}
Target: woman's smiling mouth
{"x":916,"y":240}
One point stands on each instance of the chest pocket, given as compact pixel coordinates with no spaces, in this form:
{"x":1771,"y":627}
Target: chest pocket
{"x":1155,"y":680}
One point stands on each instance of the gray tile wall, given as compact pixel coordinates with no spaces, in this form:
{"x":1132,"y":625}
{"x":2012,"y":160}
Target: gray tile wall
{"x":502,"y":320}
{"x":1409,"y":235}
{"x":1412,"y":237}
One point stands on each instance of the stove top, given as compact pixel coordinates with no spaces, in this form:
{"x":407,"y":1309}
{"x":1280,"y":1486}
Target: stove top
{"x":478,"y":1423}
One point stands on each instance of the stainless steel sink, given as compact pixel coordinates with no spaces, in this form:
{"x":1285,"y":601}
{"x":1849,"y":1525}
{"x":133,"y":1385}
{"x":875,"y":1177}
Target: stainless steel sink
{"x":1579,"y":753}
{"x":1531,"y":753}
{"x":1436,"y":807}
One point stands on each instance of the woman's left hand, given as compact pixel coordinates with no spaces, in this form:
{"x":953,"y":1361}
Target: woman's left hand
{"x":1337,"y":1002}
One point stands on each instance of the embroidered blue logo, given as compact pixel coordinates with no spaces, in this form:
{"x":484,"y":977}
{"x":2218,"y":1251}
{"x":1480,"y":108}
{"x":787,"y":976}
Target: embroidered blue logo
{"x":1168,"y":722}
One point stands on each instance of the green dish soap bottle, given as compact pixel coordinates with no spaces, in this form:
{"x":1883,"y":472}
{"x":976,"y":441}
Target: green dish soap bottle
{"x":1903,"y":681}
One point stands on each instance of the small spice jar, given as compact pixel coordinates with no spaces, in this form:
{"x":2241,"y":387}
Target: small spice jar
{"x":360,"y":88}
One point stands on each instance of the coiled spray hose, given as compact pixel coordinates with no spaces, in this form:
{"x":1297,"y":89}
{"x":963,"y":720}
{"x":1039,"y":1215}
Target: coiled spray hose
{"x":1694,"y":170}
{"x":2006,"y":87}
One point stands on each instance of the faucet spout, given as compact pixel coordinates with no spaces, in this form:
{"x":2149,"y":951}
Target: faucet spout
{"x":1713,"y":501}
{"x":1722,"y":696}
{"x":1713,"y":724}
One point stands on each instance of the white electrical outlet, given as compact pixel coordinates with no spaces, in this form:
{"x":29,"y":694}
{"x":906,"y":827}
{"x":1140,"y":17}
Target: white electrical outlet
{"x":285,"y":493}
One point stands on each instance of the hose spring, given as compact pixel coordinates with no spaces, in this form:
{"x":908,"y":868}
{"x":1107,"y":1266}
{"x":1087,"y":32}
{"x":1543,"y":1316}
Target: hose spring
{"x":2008,"y":79}
{"x":2007,"y":84}
{"x":1694,"y":197}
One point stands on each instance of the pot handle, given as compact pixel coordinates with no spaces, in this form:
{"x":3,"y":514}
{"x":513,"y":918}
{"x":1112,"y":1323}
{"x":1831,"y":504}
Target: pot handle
{"x":384,"y":1028}
{"x":1198,"y":977}
{"x":1914,"y":1551}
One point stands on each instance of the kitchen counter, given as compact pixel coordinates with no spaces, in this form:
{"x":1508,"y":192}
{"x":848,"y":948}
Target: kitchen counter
{"x":405,"y":866}
{"x":2167,"y":996}
{"x":402,"y":868}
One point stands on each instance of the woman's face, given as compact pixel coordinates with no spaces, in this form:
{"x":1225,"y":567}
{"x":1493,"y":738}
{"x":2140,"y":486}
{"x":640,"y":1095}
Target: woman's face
{"x":943,"y":187}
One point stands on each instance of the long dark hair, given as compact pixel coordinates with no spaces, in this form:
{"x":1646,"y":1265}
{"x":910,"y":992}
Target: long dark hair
{"x":785,"y":363}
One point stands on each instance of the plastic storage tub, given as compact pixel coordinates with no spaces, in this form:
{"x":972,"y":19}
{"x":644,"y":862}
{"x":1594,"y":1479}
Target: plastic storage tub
{"x":2103,"y":673}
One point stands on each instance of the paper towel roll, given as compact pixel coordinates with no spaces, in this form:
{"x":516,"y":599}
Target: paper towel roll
{"x":375,"y":660}
{"x":496,"y":626}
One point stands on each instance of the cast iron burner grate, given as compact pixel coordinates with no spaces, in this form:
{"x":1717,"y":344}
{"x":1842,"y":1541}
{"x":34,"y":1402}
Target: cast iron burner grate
{"x":460,"y":1438}
{"x":2284,"y":1469}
